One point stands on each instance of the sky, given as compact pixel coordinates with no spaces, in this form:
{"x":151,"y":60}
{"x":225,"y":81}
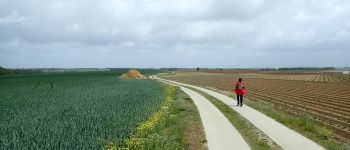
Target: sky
{"x":168,"y":33}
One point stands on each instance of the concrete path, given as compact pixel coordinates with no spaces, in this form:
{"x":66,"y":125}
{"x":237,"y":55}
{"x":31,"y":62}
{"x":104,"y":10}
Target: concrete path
{"x":219,"y":132}
{"x":282,"y":135}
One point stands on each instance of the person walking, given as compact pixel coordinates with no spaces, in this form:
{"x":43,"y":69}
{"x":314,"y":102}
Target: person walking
{"x":240,"y":91}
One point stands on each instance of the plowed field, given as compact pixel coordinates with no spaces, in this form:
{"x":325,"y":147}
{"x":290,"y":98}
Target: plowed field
{"x":326,"y":102}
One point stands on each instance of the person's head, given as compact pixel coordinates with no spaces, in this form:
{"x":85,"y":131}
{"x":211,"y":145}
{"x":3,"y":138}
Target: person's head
{"x":240,"y":80}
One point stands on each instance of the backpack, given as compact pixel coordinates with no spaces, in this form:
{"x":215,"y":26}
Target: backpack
{"x":240,"y":86}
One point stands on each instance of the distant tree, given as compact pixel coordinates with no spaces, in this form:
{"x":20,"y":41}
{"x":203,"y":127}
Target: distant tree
{"x":26,"y":71}
{"x":4,"y":71}
{"x":169,"y":69}
{"x":197,"y":69}
{"x":267,"y":69}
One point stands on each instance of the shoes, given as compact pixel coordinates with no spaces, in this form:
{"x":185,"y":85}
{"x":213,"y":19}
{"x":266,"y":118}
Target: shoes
{"x":237,"y":105}
{"x":240,"y":105}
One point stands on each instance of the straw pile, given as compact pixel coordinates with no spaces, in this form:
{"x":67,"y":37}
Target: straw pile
{"x":132,"y":74}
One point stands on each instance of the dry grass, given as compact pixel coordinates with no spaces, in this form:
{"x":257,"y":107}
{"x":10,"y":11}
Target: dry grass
{"x":194,"y":135}
{"x":132,"y":74}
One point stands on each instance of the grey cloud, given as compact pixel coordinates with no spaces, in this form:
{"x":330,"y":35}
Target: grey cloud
{"x":176,"y":33}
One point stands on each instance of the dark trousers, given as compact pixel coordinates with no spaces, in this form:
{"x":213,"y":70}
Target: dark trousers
{"x":239,"y":100}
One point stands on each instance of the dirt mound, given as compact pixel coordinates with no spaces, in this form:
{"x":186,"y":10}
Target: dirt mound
{"x":132,"y":74}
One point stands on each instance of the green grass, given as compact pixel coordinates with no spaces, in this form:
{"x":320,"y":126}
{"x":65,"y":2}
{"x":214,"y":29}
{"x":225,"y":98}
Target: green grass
{"x":73,"y":110}
{"x":244,"y":127}
{"x":302,"y":124}
{"x":166,"y":130}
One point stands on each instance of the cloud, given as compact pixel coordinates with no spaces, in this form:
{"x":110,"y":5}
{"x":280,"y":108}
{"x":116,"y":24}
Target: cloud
{"x":183,"y":33}
{"x":13,"y":19}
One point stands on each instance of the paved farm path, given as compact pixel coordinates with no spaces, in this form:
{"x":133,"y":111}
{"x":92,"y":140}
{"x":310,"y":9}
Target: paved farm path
{"x":219,"y":132}
{"x":282,"y":135}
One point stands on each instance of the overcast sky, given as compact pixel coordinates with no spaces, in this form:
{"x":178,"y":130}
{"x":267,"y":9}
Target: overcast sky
{"x":180,"y":33}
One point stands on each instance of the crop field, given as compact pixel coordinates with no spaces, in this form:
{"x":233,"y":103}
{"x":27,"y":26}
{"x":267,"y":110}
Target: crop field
{"x":325,"y":102}
{"x":324,"y":77}
{"x":73,"y":110}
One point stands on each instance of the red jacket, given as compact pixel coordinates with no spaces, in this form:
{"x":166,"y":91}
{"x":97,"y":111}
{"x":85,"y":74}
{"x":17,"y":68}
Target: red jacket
{"x":242,"y":91}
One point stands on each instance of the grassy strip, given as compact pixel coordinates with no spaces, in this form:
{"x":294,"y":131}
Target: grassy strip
{"x":167,"y":128}
{"x":194,"y":136}
{"x":302,"y":124}
{"x":145,"y":136}
{"x":252,"y":135}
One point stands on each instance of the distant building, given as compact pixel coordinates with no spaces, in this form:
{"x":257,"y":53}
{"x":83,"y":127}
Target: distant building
{"x":346,"y":72}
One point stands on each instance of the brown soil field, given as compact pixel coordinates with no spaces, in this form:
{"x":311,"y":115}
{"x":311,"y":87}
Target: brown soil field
{"x":327,"y":77}
{"x":325,"y":102}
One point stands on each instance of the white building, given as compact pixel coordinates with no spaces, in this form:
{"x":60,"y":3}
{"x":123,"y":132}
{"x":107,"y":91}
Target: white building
{"x":346,"y":72}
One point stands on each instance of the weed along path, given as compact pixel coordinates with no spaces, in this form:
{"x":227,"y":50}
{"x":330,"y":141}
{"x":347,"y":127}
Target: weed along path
{"x":219,"y":132}
{"x":282,"y":135}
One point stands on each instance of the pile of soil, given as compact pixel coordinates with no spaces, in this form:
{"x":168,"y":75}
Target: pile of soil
{"x":132,"y":74}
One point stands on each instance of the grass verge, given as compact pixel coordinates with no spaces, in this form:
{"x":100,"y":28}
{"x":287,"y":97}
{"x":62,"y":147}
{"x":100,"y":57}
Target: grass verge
{"x":194,"y":136}
{"x":172,"y":127}
{"x":255,"y":138}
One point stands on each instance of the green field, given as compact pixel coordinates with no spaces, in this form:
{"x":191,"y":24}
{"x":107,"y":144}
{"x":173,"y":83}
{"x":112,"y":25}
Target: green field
{"x":73,"y":110}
